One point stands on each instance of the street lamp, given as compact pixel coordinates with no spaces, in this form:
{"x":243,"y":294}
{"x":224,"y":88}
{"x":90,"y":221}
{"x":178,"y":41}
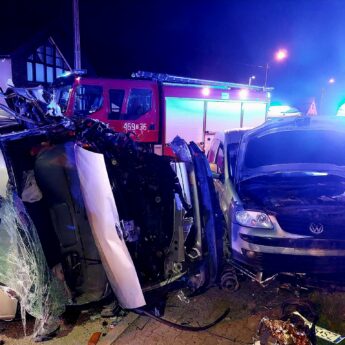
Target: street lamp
{"x":331,"y":81}
{"x":250,"y":80}
{"x":279,"y":56}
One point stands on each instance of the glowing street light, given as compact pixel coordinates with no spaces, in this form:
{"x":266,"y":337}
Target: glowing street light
{"x":250,"y":80}
{"x":279,"y":56}
{"x":331,"y":81}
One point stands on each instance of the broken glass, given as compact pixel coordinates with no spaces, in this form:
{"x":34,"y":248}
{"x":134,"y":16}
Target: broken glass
{"x":23,"y":266}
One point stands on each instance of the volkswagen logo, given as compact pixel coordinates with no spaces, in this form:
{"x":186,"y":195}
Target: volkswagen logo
{"x":316,"y":228}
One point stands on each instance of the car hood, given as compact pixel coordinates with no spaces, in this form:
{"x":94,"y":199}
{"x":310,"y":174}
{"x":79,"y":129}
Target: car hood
{"x":303,"y":204}
{"x":301,"y":144}
{"x":308,"y":189}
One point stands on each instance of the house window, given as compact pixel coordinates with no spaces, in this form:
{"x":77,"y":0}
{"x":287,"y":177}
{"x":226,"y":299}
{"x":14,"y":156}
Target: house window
{"x":29,"y":71}
{"x":45,"y":64}
{"x":50,"y":74}
{"x":40,"y":72}
{"x":59,"y":72}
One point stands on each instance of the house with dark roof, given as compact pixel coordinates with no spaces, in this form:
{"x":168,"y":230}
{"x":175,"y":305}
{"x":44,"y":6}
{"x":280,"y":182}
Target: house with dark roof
{"x":35,"y":61}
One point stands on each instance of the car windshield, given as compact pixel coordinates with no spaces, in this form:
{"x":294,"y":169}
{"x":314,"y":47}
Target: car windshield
{"x":295,"y":147}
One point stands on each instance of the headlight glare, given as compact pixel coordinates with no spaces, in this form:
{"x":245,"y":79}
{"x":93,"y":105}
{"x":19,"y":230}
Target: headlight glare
{"x":254,"y":219}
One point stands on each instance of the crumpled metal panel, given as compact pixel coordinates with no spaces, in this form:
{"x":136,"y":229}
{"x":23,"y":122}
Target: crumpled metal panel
{"x":105,"y":224}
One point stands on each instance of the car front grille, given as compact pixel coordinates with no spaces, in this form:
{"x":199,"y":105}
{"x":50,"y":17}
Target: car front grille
{"x":300,"y":224}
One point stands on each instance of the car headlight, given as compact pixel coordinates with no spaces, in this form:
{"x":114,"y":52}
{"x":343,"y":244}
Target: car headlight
{"x":254,"y":219}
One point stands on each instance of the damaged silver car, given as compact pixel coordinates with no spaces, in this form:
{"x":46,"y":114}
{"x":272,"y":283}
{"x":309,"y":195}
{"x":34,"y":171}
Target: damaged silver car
{"x":86,"y":212}
{"x":282,"y":190}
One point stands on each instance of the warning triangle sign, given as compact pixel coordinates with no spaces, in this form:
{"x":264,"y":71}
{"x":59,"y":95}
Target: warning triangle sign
{"x":312,"y":109}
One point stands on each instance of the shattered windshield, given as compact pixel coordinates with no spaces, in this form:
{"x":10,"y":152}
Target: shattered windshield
{"x":289,"y":147}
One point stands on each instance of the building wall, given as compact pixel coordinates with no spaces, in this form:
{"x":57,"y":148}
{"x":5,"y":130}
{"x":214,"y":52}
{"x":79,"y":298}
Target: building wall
{"x":5,"y":72}
{"x":30,"y":53}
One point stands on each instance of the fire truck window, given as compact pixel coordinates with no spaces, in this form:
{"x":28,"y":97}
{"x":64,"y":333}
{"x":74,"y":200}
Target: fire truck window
{"x":88,"y":99}
{"x":116,"y":99}
{"x":220,"y":160}
{"x":139,"y":103}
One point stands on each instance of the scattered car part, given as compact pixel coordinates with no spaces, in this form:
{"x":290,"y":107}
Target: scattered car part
{"x":281,"y":332}
{"x":255,"y":276}
{"x":294,"y":328}
{"x":322,"y":333}
{"x":94,"y":338}
{"x":229,"y":279}
{"x":182,"y":297}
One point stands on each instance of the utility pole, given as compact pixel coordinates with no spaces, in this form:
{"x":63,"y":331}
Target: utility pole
{"x":77,"y":58}
{"x":323,"y":91}
{"x":266,"y":74}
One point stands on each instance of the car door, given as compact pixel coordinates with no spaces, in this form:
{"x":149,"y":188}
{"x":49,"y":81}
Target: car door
{"x":219,"y":177}
{"x":207,"y":213}
{"x":216,"y":160}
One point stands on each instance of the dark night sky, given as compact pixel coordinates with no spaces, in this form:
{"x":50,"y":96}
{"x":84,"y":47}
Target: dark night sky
{"x":222,"y":40}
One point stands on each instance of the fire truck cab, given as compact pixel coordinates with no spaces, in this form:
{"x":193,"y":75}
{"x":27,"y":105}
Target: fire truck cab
{"x":157,"y":107}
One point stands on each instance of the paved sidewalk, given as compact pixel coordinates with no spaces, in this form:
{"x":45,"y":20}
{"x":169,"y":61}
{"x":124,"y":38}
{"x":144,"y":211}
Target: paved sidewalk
{"x":247,"y":306}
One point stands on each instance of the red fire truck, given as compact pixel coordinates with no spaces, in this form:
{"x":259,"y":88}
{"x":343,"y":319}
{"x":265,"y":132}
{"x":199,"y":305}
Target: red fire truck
{"x":157,"y":107}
